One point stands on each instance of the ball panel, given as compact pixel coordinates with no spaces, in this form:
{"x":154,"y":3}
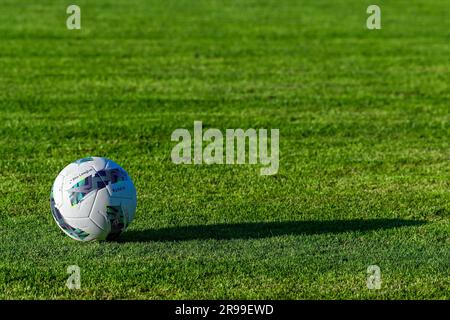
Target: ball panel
{"x":57,"y":190}
{"x":122,"y":189}
{"x":129,"y":209}
{"x":98,"y":212}
{"x":98,"y":163}
{"x":118,"y":221}
{"x":79,"y":183}
{"x":66,"y":227}
{"x":81,"y":209}
{"x":111,"y":165}
{"x":88,"y":230}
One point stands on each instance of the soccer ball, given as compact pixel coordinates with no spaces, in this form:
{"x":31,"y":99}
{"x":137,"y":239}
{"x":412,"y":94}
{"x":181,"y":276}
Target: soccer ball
{"x":93,"y":199}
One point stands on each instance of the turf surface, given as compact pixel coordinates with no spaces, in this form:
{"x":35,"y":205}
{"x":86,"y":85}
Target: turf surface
{"x":364,"y":165}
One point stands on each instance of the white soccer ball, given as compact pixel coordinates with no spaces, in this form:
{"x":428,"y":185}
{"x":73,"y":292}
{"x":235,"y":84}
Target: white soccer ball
{"x":93,"y":199}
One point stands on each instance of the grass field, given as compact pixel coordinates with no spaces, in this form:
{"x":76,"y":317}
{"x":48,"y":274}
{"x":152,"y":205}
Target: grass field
{"x":364,"y":147}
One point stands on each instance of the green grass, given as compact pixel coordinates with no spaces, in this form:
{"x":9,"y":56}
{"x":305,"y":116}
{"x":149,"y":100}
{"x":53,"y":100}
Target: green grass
{"x":364,"y":142}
